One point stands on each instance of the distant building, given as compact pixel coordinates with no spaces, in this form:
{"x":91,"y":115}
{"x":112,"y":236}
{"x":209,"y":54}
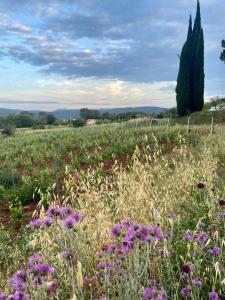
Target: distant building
{"x":217,"y":108}
{"x":91,"y":122}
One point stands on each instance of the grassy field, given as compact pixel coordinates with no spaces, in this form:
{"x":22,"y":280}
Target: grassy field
{"x":150,"y":226}
{"x":35,"y":160}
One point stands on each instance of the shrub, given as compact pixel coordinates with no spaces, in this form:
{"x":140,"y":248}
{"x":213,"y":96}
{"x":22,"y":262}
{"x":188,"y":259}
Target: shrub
{"x":79,"y":123}
{"x":8,"y":131}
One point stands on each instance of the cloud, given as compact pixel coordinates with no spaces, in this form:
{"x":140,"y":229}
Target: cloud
{"x":128,"y":48}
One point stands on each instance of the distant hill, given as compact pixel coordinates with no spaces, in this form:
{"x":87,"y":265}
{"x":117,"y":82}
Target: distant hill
{"x":74,"y":113}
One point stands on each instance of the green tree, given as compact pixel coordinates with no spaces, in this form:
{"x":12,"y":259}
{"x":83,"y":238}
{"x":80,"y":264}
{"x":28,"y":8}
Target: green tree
{"x":197,"y":65}
{"x":183,"y":89}
{"x":51,"y":119}
{"x":191,"y":77}
{"x":222,"y":56}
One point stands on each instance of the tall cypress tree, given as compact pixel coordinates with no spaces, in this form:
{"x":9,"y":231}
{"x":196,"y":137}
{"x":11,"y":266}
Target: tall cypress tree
{"x":190,"y":81}
{"x":183,"y":88}
{"x":197,"y":77}
{"x":222,"y":56}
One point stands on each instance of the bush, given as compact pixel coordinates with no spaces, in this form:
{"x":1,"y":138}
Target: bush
{"x":79,"y":123}
{"x":8,"y":131}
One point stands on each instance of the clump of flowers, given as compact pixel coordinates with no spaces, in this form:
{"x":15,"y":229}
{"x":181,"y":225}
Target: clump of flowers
{"x":154,"y":292}
{"x":64,"y":215}
{"x":36,"y":274}
{"x":126,"y":236}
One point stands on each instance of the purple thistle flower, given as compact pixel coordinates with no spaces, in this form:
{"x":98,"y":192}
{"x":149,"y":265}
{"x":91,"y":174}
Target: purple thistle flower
{"x":148,"y":293}
{"x":221,"y":202}
{"x":197,"y":281}
{"x":213,"y":295}
{"x":188,"y":236}
{"x":2,"y":296}
{"x":69,"y":223}
{"x":126,"y":247}
{"x":186,"y":268}
{"x":35,"y":223}
{"x":77,"y":216}
{"x":160,"y":297}
{"x":101,"y":264}
{"x":186,"y":291}
{"x":202,"y":237}
{"x":43,"y":269}
{"x":34,"y":259}
{"x":47,"y":222}
{"x":20,"y":295}
{"x":214,"y":251}
{"x":17,"y":281}
{"x":116,"y":230}
{"x":153,"y":283}
{"x":201,"y":185}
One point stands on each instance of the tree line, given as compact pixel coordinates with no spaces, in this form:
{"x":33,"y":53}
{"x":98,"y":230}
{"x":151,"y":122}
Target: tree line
{"x":27,"y":119}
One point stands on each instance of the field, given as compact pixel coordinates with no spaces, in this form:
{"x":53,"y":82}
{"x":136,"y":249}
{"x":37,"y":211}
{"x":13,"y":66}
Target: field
{"x":123,"y":211}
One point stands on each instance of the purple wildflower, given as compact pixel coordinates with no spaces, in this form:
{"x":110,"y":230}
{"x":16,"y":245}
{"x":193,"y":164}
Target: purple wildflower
{"x":186,"y":268}
{"x":201,"y":185}
{"x":213,"y":295}
{"x":126,"y":247}
{"x":214,"y":251}
{"x":116,"y":230}
{"x":47,"y":222}
{"x":35,"y":223}
{"x":148,"y":293}
{"x":101,"y":264}
{"x":69,"y":222}
{"x":153,"y":283}
{"x":34,"y":259}
{"x":2,"y":296}
{"x":202,"y":237}
{"x":186,"y":291}
{"x":161,"y":297}
{"x":43,"y":269}
{"x":188,"y":236}
{"x":17,"y":281}
{"x":197,"y":281}
{"x":221,"y":202}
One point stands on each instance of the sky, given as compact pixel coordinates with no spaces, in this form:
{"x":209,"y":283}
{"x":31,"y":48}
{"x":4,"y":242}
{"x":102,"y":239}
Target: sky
{"x":101,"y":53}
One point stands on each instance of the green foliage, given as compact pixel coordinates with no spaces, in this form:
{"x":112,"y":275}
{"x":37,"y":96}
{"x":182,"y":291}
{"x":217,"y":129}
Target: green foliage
{"x":27,"y":120}
{"x":86,"y":113}
{"x":9,"y":178}
{"x":183,"y":88}
{"x":190,"y":81}
{"x":79,"y":122}
{"x":8,"y":131}
{"x":50,"y":119}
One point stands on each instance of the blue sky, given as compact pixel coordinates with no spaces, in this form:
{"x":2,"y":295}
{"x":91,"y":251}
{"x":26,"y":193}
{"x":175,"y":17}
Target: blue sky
{"x":101,"y":53}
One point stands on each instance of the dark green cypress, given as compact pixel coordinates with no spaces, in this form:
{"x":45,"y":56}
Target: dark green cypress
{"x":222,"y":56}
{"x":197,"y":77}
{"x":190,"y":81}
{"x":183,"y":80}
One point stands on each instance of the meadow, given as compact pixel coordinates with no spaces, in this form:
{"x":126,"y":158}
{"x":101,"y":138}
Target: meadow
{"x":136,"y":212}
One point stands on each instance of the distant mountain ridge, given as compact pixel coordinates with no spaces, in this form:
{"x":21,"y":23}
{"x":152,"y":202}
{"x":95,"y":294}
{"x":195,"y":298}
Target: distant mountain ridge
{"x":74,"y":113}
